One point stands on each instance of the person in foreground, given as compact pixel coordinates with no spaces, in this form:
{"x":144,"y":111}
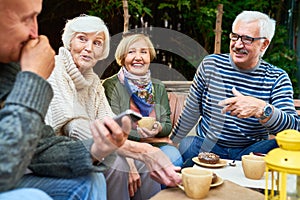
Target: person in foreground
{"x":61,"y":167}
{"x":242,"y":100}
{"x":79,"y":98}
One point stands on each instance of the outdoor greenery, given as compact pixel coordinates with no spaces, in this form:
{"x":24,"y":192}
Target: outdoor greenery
{"x":197,"y":18}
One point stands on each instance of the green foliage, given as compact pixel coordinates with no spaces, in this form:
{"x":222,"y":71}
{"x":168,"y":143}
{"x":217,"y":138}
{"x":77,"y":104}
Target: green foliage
{"x":200,"y":22}
{"x":173,"y":4}
{"x":109,"y":8}
{"x":198,"y":19}
{"x":280,"y":55}
{"x":104,"y":8}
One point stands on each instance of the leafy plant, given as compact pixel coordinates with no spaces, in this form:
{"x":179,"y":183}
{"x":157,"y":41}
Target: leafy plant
{"x":197,"y":18}
{"x":280,"y":55}
{"x":108,"y":8}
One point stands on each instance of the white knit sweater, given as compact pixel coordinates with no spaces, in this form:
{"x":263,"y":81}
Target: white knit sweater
{"x":78,"y":98}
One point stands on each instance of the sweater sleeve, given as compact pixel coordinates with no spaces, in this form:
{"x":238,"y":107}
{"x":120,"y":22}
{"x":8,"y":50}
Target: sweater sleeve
{"x":21,"y":121}
{"x":163,"y":115}
{"x":66,"y":115}
{"x":60,"y":156}
{"x":285,"y":115}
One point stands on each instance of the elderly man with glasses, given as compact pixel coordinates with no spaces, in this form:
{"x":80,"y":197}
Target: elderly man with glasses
{"x":242,"y":100}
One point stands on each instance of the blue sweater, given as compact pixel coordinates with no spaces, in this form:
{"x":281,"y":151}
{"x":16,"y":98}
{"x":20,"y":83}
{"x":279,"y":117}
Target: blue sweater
{"x":213,"y":82}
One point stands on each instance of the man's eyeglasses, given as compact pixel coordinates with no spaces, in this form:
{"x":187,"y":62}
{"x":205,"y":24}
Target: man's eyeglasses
{"x":245,"y":38}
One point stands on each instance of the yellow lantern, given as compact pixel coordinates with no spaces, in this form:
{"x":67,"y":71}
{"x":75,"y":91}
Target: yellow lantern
{"x":283,"y":163}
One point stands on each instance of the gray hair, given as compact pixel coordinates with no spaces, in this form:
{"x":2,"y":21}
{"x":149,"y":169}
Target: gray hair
{"x":267,"y":25}
{"x":86,"y":24}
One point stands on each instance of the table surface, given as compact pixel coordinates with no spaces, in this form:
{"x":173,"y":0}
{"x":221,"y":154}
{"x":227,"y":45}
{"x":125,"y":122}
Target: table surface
{"x":227,"y":191}
{"x":235,"y":186}
{"x":236,"y":175}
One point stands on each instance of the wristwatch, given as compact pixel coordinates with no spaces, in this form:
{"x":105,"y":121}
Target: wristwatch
{"x":267,"y":112}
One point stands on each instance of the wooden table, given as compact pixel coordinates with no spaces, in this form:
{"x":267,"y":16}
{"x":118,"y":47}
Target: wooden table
{"x":227,"y":191}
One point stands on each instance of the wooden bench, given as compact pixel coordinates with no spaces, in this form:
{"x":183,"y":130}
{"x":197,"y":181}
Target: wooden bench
{"x":177,"y":93}
{"x":176,"y":101}
{"x":297,"y":105}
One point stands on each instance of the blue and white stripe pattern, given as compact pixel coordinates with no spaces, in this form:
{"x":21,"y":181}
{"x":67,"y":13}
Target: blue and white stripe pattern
{"x":213,"y":82}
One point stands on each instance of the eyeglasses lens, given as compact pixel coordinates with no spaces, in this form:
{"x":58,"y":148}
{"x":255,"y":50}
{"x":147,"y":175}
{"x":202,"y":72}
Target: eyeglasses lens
{"x":245,"y":39}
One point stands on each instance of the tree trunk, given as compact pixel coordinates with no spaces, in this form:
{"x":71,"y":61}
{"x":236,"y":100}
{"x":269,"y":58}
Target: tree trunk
{"x":126,"y":16}
{"x":218,"y":30}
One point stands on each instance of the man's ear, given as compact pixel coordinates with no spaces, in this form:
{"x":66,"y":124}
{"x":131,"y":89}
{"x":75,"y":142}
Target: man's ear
{"x":265,"y":44}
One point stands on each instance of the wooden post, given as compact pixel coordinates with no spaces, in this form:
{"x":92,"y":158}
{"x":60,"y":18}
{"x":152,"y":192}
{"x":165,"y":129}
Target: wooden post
{"x":126,"y":16}
{"x":218,"y":30}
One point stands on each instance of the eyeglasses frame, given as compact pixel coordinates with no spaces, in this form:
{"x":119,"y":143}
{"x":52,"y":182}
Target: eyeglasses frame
{"x":241,"y":36}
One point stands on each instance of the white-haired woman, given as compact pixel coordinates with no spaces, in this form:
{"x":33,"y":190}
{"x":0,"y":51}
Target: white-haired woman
{"x":78,"y":94}
{"x":79,"y":98}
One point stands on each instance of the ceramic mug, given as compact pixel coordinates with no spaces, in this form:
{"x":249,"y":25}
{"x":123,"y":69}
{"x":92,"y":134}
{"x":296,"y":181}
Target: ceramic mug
{"x":196,"y":182}
{"x":253,"y":166}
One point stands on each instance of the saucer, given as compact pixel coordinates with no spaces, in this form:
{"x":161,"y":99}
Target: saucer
{"x":221,"y":163}
{"x":218,"y":182}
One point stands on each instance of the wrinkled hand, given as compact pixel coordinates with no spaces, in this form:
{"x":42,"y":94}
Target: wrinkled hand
{"x":146,"y":133}
{"x":242,"y":106}
{"x":134,"y":180}
{"x":160,"y":167}
{"x":37,"y":56}
{"x":108,"y":136}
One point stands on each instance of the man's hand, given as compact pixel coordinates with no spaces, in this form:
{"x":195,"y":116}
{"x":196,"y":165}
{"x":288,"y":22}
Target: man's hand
{"x":37,"y":56}
{"x":108,"y":136}
{"x":243,"y":106}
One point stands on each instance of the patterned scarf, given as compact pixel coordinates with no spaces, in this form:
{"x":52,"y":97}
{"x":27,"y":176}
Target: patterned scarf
{"x":140,"y":89}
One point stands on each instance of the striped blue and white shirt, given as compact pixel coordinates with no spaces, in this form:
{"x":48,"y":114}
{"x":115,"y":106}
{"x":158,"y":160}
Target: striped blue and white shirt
{"x":213,"y":82}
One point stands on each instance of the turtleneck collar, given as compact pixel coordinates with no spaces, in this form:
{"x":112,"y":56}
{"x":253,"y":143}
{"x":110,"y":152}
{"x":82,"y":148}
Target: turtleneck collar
{"x":80,"y":80}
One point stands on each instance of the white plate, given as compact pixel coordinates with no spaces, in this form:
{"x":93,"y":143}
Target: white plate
{"x":221,"y":163}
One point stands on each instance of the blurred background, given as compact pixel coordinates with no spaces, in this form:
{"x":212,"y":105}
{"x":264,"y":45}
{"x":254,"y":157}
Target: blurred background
{"x":196,"y":19}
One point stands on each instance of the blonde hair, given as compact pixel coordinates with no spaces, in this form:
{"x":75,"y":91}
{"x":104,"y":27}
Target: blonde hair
{"x":86,"y":24}
{"x":127,"y":41}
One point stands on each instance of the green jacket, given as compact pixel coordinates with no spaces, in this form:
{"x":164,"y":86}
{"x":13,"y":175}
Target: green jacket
{"x":26,"y":142}
{"x":119,"y":99}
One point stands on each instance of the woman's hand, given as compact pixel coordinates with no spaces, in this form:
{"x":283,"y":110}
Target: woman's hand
{"x":108,"y":136}
{"x":146,"y":133}
{"x":158,"y":164}
{"x":134,"y":179}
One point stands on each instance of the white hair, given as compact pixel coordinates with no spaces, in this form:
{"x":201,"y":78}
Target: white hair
{"x":86,"y":24}
{"x":266,"y":24}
